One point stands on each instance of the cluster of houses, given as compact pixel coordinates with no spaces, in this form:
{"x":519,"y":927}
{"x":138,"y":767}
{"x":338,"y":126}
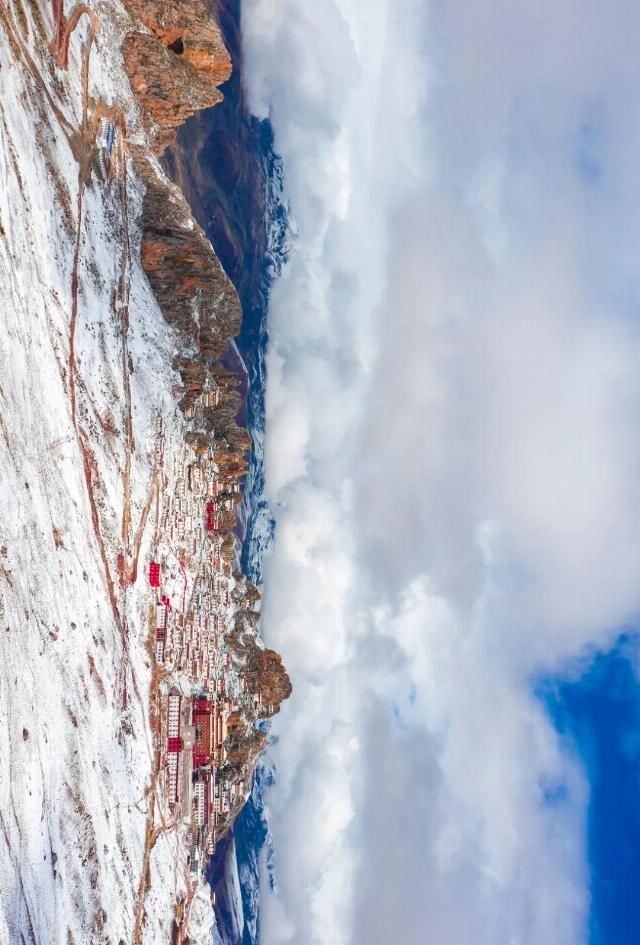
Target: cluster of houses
{"x":191,"y":584}
{"x":196,"y":730}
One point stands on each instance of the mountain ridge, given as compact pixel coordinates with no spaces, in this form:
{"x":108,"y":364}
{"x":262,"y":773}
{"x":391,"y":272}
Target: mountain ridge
{"x":106,"y":369}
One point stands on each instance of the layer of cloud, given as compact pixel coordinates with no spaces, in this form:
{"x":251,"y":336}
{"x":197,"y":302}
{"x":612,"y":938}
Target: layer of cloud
{"x":452,"y":453}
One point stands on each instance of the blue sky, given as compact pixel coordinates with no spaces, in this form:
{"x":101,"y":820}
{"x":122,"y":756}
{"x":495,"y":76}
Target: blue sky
{"x":600,"y":713}
{"x":452,"y":453}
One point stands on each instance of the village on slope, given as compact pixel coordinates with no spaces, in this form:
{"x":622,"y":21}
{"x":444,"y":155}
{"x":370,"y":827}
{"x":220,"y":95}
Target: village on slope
{"x":216,"y":682}
{"x":213,"y":684}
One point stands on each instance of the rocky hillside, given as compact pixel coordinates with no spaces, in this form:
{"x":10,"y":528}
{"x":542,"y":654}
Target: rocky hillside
{"x":176,"y":64}
{"x":116,"y":314}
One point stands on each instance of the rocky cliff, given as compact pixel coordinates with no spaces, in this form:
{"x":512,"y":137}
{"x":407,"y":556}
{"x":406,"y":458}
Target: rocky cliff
{"x":265,"y":676}
{"x":263,"y":673}
{"x":174,"y":70}
{"x":176,"y":67}
{"x":191,"y":287}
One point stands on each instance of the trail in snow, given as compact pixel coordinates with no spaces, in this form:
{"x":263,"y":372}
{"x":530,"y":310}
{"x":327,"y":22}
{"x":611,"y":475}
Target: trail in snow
{"x":78,"y":488}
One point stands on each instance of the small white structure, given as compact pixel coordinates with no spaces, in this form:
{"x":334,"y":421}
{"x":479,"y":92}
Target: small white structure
{"x":105,"y":140}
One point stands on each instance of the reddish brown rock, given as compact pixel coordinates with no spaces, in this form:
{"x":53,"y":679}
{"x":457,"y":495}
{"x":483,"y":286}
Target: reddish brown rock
{"x":176,"y":68}
{"x":244,"y":747}
{"x":192,"y":289}
{"x":264,"y":675}
{"x":188,"y":29}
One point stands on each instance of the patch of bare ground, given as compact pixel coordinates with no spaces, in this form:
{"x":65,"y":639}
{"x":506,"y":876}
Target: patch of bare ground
{"x":37,"y":20}
{"x":97,"y":678}
{"x":72,"y":716}
{"x":15,"y":163}
{"x":21,"y":18}
{"x":84,"y":832}
{"x":63,"y":195}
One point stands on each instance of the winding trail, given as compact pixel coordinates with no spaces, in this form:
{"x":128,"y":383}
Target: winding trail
{"x":64,"y":28}
{"x":128,"y":559}
{"x":89,"y":464}
{"x":14,"y":36}
{"x":120,"y":575}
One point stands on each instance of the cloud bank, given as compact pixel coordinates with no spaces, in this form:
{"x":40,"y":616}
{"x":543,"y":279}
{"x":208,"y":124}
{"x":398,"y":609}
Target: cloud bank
{"x":452,"y":453}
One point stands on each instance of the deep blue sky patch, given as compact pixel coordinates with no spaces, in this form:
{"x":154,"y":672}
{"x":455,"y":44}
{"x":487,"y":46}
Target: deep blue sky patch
{"x":601,"y":712}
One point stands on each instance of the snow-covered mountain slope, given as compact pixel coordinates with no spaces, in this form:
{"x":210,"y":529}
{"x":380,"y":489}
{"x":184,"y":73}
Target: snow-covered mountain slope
{"x":79,"y":394}
{"x":75,"y":673}
{"x":89,"y":849}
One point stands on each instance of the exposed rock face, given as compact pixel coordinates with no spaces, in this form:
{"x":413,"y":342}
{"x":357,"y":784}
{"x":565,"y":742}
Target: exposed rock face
{"x":187,"y":28}
{"x":244,"y":746}
{"x":176,"y":68}
{"x":265,"y":676}
{"x":262,"y":671}
{"x":219,"y":164}
{"x":193,"y":375}
{"x":192,"y":289}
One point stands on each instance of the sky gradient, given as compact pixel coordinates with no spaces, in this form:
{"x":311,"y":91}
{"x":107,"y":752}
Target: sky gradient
{"x":452,"y":454}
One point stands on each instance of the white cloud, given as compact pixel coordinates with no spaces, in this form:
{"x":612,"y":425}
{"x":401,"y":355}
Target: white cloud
{"x":452,"y":453}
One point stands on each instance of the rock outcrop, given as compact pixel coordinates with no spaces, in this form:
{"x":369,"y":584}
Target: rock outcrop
{"x":244,"y":746}
{"x":265,"y":676}
{"x":188,"y":29}
{"x":175,"y":69}
{"x":192,"y":289}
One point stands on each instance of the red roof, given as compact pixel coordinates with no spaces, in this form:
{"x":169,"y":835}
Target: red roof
{"x":201,"y":705}
{"x":201,"y":755}
{"x":211,"y":522}
{"x":154,"y":574}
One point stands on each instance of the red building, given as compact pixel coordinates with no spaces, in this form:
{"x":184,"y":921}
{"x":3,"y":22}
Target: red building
{"x":211,"y":520}
{"x":154,"y":574}
{"x":174,"y":744}
{"x":201,"y":720}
